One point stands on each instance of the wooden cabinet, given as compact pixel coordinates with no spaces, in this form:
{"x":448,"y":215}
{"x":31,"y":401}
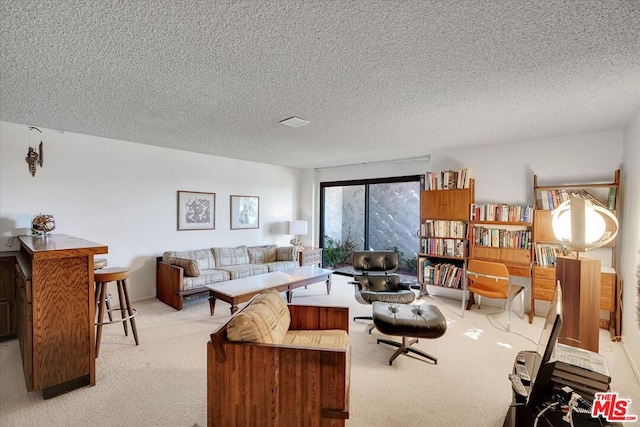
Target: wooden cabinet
{"x":580,"y":326}
{"x":25,"y":317}
{"x":547,"y":250}
{"x":444,"y":239}
{"x":545,"y":283}
{"x":8,"y":297}
{"x":310,"y":256}
{"x":56,"y":312}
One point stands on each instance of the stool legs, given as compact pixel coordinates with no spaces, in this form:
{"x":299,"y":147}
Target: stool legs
{"x":130,"y":311}
{"x":126,"y":311}
{"x":101,"y":294}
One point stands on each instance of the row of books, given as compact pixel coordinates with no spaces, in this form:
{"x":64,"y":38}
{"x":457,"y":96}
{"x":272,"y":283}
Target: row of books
{"x":547,"y":254}
{"x":443,"y":228}
{"x":443,"y":274}
{"x":501,"y":238}
{"x":445,"y":247}
{"x":501,"y":212}
{"x":551,"y":199}
{"x":586,"y":372}
{"x":446,"y":180}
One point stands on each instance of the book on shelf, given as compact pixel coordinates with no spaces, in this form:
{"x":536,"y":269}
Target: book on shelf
{"x":551,"y":199}
{"x":501,"y":212}
{"x":443,"y":228}
{"x":443,"y":274}
{"x":611,"y":200}
{"x":447,"y":179}
{"x":501,"y":238}
{"x":546,"y":254}
{"x":583,"y":363}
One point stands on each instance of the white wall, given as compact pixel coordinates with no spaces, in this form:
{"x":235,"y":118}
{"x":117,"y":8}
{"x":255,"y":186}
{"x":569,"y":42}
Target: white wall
{"x":630,"y":242}
{"x":123,"y":195}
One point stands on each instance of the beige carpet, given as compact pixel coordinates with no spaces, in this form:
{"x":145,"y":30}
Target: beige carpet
{"x":162,"y":382}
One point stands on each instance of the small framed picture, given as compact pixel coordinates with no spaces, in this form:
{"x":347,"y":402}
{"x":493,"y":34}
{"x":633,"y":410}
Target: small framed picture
{"x":245,"y":212}
{"x":196,"y":210}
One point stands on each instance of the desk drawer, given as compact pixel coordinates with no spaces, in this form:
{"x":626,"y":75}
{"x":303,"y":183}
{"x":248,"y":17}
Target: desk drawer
{"x":310,"y":256}
{"x":544,"y":279}
{"x":607,"y":291}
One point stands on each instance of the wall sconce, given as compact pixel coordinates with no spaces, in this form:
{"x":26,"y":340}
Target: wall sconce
{"x":295,"y":228}
{"x":581,"y":226}
{"x":34,"y":157}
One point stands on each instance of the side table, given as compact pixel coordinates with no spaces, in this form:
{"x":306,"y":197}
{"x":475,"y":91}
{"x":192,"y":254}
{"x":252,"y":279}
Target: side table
{"x":310,"y":256}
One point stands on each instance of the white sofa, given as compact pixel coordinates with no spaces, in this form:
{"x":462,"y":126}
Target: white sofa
{"x":184,"y":273}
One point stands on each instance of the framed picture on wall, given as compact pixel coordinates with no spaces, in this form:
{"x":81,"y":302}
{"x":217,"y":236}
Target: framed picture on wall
{"x":196,"y":211}
{"x":245,"y":212}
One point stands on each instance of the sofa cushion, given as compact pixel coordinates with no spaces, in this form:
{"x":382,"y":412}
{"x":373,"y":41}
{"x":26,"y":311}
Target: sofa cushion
{"x":287,"y":253}
{"x":265,"y":320}
{"x":245,"y":270}
{"x":281,"y":265}
{"x":330,"y":338}
{"x":204,"y":257}
{"x":207,"y":277}
{"x":230,"y":256}
{"x":190,"y":266}
{"x":262,"y":254}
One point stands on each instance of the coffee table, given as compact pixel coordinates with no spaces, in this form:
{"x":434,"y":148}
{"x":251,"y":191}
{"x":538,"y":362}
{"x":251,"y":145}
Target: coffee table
{"x":237,"y":291}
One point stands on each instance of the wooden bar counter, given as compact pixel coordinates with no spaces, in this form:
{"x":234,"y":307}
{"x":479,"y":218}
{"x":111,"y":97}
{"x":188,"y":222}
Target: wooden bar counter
{"x":56,"y":312}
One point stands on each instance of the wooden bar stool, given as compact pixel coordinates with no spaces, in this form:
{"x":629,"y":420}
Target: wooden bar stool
{"x":102,"y":278}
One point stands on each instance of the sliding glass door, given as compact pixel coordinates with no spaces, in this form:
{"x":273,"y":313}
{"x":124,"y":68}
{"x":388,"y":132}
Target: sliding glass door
{"x":376,"y":214}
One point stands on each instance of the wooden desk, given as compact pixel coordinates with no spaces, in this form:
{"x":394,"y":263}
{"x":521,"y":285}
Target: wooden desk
{"x":56,"y":312}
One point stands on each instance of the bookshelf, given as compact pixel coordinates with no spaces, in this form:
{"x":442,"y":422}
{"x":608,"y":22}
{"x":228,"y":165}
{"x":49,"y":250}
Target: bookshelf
{"x":503,"y":233}
{"x":547,"y":249}
{"x":444,"y":236}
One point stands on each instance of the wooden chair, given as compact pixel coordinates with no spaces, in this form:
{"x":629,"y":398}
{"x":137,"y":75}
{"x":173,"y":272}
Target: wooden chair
{"x":491,"y":279}
{"x":251,"y":383}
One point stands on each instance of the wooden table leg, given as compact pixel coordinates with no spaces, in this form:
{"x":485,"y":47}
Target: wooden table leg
{"x":234,"y":308}
{"x":289,"y":295}
{"x":212,"y":303}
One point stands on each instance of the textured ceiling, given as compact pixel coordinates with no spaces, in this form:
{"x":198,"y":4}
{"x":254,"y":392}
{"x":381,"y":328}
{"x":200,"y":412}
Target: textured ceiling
{"x":377,"y":79}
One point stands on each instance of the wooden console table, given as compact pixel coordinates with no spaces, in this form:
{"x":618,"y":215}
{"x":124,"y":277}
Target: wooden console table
{"x":56,"y":312}
{"x":310,"y":256}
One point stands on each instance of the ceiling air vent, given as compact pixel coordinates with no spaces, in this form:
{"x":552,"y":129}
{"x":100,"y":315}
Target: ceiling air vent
{"x":294,"y":122}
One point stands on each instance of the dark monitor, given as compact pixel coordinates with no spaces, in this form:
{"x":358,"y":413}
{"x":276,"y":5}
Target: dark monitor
{"x":543,"y":364}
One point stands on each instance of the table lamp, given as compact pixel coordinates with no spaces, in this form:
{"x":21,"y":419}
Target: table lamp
{"x":295,"y":229}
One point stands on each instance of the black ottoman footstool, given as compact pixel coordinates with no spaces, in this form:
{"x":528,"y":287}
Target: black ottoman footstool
{"x":408,"y":321}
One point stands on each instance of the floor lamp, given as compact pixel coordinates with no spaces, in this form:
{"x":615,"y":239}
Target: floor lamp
{"x":581,"y":226}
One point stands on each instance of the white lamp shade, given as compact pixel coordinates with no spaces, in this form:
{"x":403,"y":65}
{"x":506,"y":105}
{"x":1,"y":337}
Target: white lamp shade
{"x":581,"y":226}
{"x":295,"y":228}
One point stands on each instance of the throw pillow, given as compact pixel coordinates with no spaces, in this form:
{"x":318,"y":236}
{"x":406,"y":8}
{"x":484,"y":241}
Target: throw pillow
{"x":265,"y":320}
{"x":191,"y":266}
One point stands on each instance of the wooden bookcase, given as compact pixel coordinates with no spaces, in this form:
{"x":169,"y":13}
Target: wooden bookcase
{"x":447,"y":249}
{"x":546,"y":248}
{"x":508,"y":240}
